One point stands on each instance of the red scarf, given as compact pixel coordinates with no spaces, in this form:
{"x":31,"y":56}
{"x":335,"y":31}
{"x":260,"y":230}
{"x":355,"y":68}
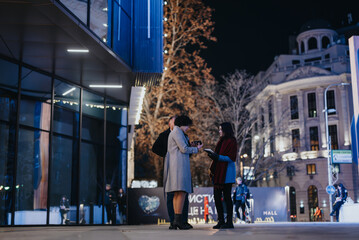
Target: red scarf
{"x":226,"y":146}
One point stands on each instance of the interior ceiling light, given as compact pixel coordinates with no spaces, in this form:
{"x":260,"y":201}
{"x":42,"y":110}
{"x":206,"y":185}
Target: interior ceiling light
{"x":78,"y":50}
{"x":106,"y":86}
{"x":68,"y":91}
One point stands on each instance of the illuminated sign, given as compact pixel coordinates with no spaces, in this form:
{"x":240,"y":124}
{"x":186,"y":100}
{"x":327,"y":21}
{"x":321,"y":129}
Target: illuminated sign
{"x":342,"y":156}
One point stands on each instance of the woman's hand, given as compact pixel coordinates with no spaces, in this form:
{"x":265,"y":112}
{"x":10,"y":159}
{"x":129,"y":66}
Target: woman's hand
{"x":199,"y":146}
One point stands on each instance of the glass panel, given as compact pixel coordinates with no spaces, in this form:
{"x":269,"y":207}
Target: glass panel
{"x":122,"y":33}
{"x":34,"y":84}
{"x":8,"y":109}
{"x":91,"y":162}
{"x":91,"y":183}
{"x":116,"y":158}
{"x":6,"y":176}
{"x":77,"y":7}
{"x":35,"y":114}
{"x":8,"y":76}
{"x":93,"y":105}
{"x":32,"y":182}
{"x":35,"y":106}
{"x":126,"y":6}
{"x":99,"y":18}
{"x":67,"y":96}
{"x":64,"y":177}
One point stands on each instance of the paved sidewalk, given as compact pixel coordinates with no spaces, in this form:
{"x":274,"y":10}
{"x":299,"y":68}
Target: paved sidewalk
{"x":268,"y":231}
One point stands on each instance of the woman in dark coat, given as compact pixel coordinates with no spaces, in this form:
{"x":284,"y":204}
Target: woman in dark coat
{"x":223,"y":172}
{"x":177,"y":172}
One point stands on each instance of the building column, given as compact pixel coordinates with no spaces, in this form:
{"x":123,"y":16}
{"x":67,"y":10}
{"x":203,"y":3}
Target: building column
{"x":279,"y":144}
{"x":321,"y":115}
{"x":302,"y":121}
{"x":319,"y":41}
{"x":305,"y":45}
{"x":344,"y":115}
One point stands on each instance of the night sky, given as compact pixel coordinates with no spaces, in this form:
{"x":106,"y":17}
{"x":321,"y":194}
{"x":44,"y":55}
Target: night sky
{"x":251,"y":33}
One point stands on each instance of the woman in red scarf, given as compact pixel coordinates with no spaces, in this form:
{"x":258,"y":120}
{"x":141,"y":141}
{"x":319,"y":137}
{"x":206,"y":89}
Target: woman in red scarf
{"x":223,"y":171}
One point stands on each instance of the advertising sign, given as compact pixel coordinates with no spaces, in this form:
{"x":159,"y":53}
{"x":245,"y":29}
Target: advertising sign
{"x":342,"y":156}
{"x":148,"y":205}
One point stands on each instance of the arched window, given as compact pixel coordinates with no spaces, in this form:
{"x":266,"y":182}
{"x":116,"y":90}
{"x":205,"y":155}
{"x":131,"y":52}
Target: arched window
{"x":325,"y":42}
{"x":312,"y":43}
{"x":292,"y":204}
{"x":312,"y":201}
{"x":302,"y":47}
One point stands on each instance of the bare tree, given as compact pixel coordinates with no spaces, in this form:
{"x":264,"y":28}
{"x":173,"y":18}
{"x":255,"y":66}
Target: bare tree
{"x":231,"y":101}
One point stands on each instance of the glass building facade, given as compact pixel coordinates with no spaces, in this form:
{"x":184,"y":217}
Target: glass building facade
{"x":62,"y":143}
{"x":57,"y":139}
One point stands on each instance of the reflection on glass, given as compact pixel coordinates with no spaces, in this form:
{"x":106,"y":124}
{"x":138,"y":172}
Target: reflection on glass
{"x":99,"y":18}
{"x":32,"y":181}
{"x":122,"y":29}
{"x":35,"y":114}
{"x":66,"y":95}
{"x":8,"y":76}
{"x":8,"y":108}
{"x":91,"y":161}
{"x":34,"y":84}
{"x":35,"y":108}
{"x":116,"y":155}
{"x":91,"y":183}
{"x":63,"y":184}
{"x":77,"y":7}
{"x":5,"y":176}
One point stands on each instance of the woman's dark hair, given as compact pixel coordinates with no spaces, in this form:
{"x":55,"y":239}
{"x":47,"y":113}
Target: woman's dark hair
{"x":227,"y":129}
{"x":183,"y":121}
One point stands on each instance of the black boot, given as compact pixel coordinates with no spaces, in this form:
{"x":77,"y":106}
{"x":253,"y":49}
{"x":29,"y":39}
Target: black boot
{"x":219,"y":224}
{"x":179,"y":224}
{"x":172,"y":226}
{"x":229,"y":223}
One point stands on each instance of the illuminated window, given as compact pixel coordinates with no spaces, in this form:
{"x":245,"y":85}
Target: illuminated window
{"x":248,"y":173}
{"x":314,"y":139}
{"x":295,"y":140}
{"x":311,"y":169}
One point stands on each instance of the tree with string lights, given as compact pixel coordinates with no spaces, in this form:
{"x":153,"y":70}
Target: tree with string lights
{"x":188,"y":26}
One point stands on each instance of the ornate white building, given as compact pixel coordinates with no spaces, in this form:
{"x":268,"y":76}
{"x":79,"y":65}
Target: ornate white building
{"x":291,"y":124}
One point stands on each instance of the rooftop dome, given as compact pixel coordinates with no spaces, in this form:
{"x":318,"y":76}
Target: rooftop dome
{"x":315,"y":24}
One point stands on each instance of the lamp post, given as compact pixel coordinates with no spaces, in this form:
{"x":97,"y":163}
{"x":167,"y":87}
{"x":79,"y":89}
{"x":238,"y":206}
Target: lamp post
{"x":330,"y":181}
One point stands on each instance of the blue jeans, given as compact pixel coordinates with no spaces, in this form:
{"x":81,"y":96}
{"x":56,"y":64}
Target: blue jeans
{"x":170,"y":210}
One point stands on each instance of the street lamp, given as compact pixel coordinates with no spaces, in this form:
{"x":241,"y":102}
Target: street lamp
{"x":326,"y":110}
